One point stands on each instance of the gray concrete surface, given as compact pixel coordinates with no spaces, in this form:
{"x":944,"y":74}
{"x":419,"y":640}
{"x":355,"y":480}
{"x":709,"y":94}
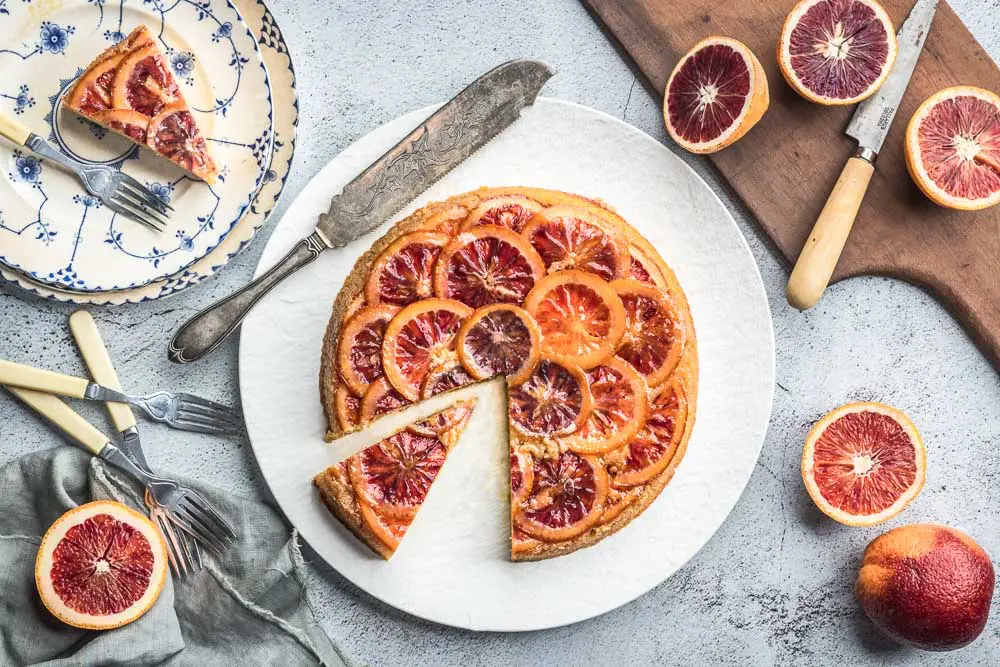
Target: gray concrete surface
{"x":774,"y":584}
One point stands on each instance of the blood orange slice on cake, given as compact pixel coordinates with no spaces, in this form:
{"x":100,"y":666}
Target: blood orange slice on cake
{"x":654,"y":336}
{"x":100,"y":566}
{"x":566,"y":497}
{"x":502,"y":339}
{"x":403,"y":272}
{"x":554,"y":400}
{"x":130,"y":89}
{"x":618,"y":409}
{"x":863,"y":463}
{"x":837,"y":51}
{"x":420,"y":338}
{"x":580,"y":317}
{"x":513,"y":212}
{"x":487,"y":264}
{"x":953,"y":148}
{"x":570,"y":238}
{"x":378,"y":492}
{"x":650,"y":451}
{"x":716,"y":93}
{"x":360,"y":352}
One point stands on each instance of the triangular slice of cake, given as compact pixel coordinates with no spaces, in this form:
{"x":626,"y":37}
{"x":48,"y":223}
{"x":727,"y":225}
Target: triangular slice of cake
{"x":377,"y":492}
{"x":129,"y":89}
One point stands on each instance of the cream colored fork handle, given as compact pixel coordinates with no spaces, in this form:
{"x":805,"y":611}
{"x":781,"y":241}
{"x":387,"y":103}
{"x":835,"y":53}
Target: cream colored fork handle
{"x":13,"y":130}
{"x":64,"y":417}
{"x":95,"y":355}
{"x":29,"y":377}
{"x":826,"y":241}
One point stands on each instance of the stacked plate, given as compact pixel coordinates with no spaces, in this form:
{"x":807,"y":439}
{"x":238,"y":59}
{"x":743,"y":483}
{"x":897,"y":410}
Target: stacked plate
{"x":236,"y":72}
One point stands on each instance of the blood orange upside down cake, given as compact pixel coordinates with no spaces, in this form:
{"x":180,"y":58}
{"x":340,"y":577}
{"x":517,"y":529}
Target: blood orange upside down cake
{"x":130,"y":90}
{"x":563,"y":297}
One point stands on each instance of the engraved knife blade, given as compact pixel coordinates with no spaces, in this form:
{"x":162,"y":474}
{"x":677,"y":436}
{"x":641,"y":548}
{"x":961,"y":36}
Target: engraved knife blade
{"x":873,"y":117}
{"x":454,"y":132}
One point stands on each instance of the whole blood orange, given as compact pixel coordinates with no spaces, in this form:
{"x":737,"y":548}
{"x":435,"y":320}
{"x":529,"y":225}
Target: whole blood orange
{"x":863,"y":463}
{"x":926,"y":585}
{"x":837,"y":51}
{"x":100,"y":566}
{"x":953,"y":148}
{"x":716,"y":93}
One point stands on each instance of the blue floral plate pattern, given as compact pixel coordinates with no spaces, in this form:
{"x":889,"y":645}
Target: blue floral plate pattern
{"x":51,"y":231}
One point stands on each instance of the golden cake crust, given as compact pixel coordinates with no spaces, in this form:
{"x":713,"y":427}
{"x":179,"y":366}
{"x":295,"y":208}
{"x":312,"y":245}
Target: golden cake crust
{"x":430,"y":217}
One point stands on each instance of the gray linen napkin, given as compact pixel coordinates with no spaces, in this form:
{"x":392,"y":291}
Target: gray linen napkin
{"x":248,"y":607}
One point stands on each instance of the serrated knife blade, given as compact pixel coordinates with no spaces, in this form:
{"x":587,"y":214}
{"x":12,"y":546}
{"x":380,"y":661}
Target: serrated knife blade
{"x":458,"y":129}
{"x":873,"y":117}
{"x":442,"y":142}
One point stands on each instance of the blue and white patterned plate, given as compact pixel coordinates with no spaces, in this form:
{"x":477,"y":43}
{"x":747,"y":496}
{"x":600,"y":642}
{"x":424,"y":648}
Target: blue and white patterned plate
{"x":50,"y":229}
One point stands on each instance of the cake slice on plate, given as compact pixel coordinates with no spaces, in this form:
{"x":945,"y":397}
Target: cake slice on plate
{"x":129,"y":89}
{"x":377,"y":492}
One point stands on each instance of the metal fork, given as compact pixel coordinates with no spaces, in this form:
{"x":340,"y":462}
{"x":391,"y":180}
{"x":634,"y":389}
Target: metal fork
{"x":175,"y":409}
{"x":118,"y":191}
{"x":188,"y":509}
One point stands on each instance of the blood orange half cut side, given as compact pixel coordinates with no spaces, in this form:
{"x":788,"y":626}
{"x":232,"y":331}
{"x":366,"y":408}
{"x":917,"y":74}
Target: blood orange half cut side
{"x":837,"y":51}
{"x":716,"y":93}
{"x":863,"y":463}
{"x":100,"y":566}
{"x":953,"y":148}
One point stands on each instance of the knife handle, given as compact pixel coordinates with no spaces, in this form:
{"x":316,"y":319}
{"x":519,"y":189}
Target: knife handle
{"x":95,"y":355}
{"x":822,"y":250}
{"x":206,"y":330}
{"x":64,"y":417}
{"x":39,"y":379}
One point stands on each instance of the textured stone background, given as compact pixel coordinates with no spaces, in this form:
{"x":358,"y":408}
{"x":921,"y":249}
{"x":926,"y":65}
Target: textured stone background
{"x":774,"y":584}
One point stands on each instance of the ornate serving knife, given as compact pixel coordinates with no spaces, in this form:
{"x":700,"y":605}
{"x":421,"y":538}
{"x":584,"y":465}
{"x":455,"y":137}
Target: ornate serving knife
{"x":454,"y":132}
{"x":869,"y":126}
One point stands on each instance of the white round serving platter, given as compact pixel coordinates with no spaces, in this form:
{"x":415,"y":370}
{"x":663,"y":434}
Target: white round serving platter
{"x":51,"y":230}
{"x":453,"y":567}
{"x":281,"y":73}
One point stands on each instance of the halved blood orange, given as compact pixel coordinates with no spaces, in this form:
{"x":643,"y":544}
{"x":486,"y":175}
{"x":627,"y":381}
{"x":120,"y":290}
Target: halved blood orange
{"x":173,"y":134}
{"x":380,"y":399}
{"x":393,"y":476}
{"x":837,"y":51}
{"x":124,"y":121}
{"x":419,"y":338}
{"x":654,"y":336}
{"x":653,"y":447}
{"x":100,"y":565}
{"x":502,"y":339}
{"x":143,"y":82}
{"x":643,"y":269}
{"x":359,"y":355}
{"x":512,"y":212}
{"x":570,"y":238}
{"x":619,"y":408}
{"x":567,"y":497}
{"x":953,"y":148}
{"x":555,"y":400}
{"x":715,"y":94}
{"x":348,"y":408}
{"x":487,"y":264}
{"x":863,"y":463}
{"x":580,"y":317}
{"x":404,"y":271}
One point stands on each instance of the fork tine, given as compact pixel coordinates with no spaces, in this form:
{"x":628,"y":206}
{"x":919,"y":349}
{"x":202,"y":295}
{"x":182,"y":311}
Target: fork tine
{"x":196,"y":498}
{"x":125,"y":196}
{"x":187,"y":545}
{"x":143,"y":196}
{"x":204,"y":402}
{"x":135,"y":212}
{"x":114,"y":206}
{"x":146,"y":191}
{"x":174,"y":555}
{"x":186,"y":520}
{"x":194,"y":411}
{"x":199,"y":424}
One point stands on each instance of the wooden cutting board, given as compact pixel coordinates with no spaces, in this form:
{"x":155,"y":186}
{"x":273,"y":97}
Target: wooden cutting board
{"x":786,"y":166}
